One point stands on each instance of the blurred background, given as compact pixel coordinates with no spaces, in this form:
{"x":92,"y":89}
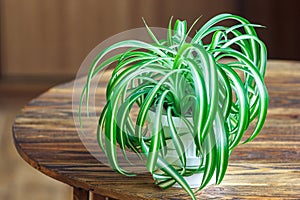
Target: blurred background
{"x":42,"y":43}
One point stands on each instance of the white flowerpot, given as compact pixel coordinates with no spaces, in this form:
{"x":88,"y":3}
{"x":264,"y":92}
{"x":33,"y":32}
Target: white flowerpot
{"x":192,"y":161}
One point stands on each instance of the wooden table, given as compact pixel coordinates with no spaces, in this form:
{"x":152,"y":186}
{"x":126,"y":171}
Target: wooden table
{"x":269,"y":167}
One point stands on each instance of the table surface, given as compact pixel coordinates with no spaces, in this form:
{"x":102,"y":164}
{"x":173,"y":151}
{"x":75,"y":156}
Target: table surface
{"x":269,"y":167}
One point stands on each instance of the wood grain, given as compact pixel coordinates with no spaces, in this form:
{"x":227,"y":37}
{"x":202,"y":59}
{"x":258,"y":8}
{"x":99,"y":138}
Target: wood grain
{"x":267,"y":168}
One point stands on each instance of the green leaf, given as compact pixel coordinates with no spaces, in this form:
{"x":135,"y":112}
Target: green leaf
{"x":243,"y":104}
{"x":180,"y":29}
{"x":209,"y":145}
{"x":151,"y":33}
{"x":156,"y":134}
{"x":222,"y":147}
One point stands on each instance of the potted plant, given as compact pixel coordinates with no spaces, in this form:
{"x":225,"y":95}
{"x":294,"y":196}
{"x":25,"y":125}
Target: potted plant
{"x":194,"y":100}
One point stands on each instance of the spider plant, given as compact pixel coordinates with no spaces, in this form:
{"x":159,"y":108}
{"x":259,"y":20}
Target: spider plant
{"x":216,"y":88}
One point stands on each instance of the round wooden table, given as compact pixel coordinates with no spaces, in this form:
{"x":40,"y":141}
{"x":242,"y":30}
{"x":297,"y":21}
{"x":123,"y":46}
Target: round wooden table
{"x":46,"y":138}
